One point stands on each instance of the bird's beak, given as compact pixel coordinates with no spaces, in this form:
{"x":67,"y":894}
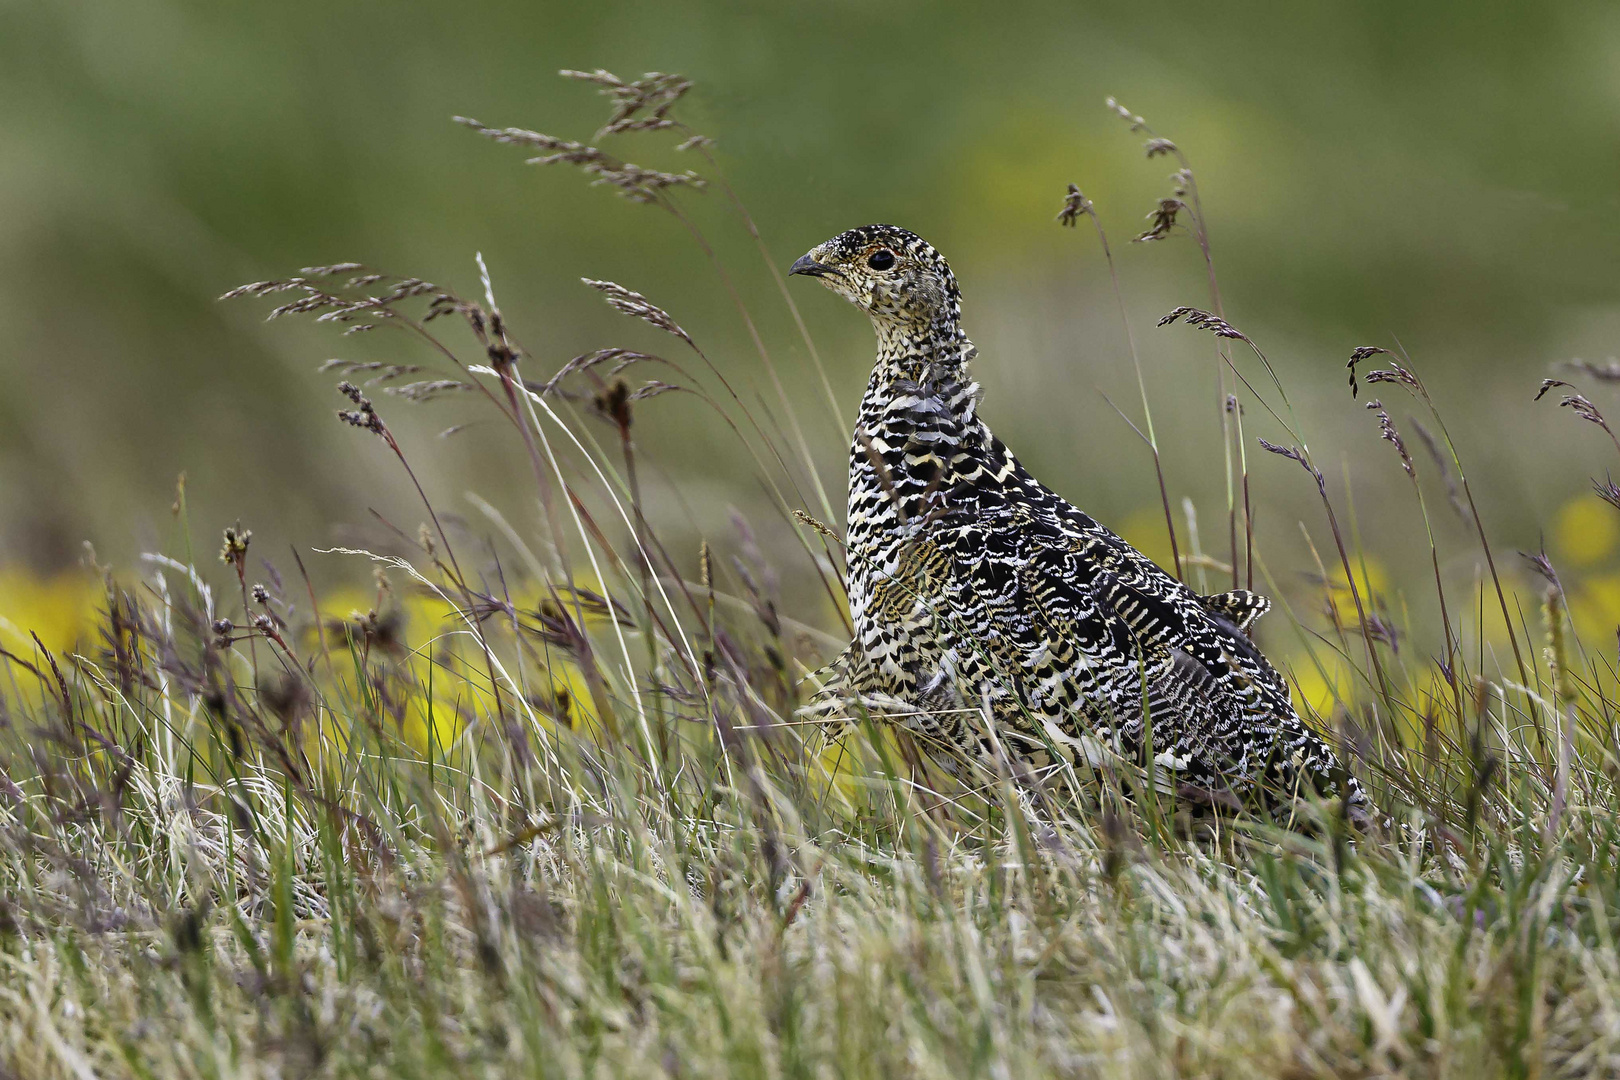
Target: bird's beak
{"x":806,"y":264}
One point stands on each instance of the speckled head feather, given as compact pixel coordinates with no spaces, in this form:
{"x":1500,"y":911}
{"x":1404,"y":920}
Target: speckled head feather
{"x":891,"y":273}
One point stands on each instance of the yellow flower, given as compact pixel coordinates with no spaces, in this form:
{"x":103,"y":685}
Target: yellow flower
{"x":847,"y":766}
{"x":1319,"y":680}
{"x":564,"y":697}
{"x":1585,"y":531}
{"x":436,"y":709}
{"x":60,"y":609}
{"x":1144,"y":530}
{"x":1594,"y":609}
{"x":1372,"y":582}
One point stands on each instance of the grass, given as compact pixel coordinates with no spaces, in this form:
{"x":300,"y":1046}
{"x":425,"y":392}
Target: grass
{"x":542,"y":807}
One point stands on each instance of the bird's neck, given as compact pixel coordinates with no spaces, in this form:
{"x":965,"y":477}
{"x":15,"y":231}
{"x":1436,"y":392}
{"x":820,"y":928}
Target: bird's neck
{"x":918,"y":425}
{"x":915,"y":359}
{"x":913,"y":344}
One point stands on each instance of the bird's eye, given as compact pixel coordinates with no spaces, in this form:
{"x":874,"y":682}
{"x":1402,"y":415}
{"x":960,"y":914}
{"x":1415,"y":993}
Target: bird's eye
{"x":882,"y":259}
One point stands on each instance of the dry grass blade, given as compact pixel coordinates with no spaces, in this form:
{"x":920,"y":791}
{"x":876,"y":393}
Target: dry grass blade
{"x":1387,"y":432}
{"x":1163,"y":218}
{"x":1204,"y":321}
{"x":631,"y":181}
{"x":1075,"y":204}
{"x":640,"y":105}
{"x":1608,"y":371}
{"x":632,"y":303}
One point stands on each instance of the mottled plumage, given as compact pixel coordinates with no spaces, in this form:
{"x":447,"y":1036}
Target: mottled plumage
{"x":974,"y":586}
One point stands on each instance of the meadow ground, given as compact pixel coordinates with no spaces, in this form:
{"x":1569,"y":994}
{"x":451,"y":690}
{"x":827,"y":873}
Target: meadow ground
{"x":538,"y":803}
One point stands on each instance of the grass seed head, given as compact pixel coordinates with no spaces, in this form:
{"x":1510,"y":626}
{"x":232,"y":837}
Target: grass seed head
{"x":1074,"y":204}
{"x":233,"y":552}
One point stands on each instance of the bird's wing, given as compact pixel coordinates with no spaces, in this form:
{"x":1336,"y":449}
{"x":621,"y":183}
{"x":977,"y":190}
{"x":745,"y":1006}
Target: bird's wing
{"x":1226,"y":710}
{"x":1093,"y":624}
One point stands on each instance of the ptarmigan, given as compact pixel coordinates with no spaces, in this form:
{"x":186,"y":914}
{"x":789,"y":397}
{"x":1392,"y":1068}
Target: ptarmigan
{"x":977,"y":592}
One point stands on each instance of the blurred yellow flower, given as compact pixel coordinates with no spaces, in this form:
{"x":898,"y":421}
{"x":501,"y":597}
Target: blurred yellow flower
{"x":1319,"y":680}
{"x":60,"y":609}
{"x":414,"y":639}
{"x":1594,"y":608}
{"x":1586,"y":531}
{"x":564,"y":697}
{"x":1372,"y":583}
{"x":441,"y":665}
{"x":845,"y":766}
{"x":1144,"y":530}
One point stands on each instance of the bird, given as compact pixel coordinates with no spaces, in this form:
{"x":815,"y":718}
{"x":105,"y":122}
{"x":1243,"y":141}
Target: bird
{"x":992,"y":616}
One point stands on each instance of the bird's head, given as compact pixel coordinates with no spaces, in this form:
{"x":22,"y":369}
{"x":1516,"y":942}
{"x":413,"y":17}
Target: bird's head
{"x":894,"y":275}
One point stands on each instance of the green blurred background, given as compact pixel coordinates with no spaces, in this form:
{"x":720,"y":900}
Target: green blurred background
{"x":1443,"y":174}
